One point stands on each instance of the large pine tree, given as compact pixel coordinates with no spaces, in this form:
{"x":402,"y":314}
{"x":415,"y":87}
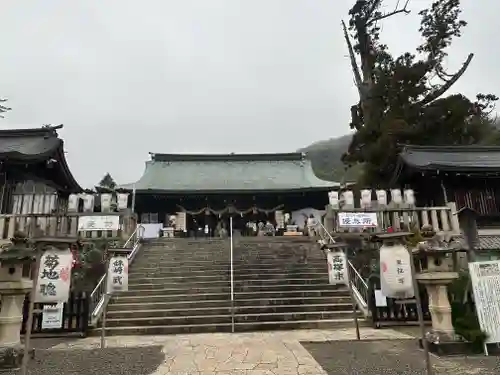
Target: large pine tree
{"x":402,"y":99}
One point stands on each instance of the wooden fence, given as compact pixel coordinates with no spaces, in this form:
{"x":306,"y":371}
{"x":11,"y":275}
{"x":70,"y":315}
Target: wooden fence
{"x":75,"y":318}
{"x":63,"y":225}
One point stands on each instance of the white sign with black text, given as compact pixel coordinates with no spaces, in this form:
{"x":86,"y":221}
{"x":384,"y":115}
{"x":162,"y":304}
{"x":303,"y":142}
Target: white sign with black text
{"x":52,"y":316}
{"x":54,"y":277}
{"x":357,"y":219}
{"x":117,"y":275}
{"x":485,"y":279}
{"x":337,"y":268}
{"x":90,"y":223}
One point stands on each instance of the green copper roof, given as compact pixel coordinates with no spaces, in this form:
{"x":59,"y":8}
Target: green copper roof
{"x":230,"y":172}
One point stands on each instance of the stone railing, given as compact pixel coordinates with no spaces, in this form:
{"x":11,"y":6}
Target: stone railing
{"x":65,"y":224}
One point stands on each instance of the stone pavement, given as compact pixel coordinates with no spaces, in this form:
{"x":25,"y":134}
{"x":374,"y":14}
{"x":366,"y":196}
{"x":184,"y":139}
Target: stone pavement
{"x":307,"y":352}
{"x":260,"y":353}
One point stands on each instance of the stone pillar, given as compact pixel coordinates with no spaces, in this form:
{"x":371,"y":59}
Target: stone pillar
{"x":13,"y":289}
{"x":440,"y":308}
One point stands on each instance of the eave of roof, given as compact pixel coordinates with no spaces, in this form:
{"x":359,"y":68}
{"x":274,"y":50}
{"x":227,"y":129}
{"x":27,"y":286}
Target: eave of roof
{"x":451,"y":158}
{"x":35,"y":145}
{"x":205,"y":174}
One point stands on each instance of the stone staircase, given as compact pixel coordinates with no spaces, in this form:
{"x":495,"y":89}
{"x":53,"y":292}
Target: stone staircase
{"x":183,"y":286}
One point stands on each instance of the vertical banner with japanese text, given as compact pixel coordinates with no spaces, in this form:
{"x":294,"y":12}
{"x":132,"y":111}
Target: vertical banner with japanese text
{"x":337,"y":268}
{"x":117,"y":275}
{"x":54,"y":276}
{"x":395,"y":272}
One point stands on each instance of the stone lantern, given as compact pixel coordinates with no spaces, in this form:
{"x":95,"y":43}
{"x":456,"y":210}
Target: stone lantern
{"x":13,"y":290}
{"x":436,"y":272}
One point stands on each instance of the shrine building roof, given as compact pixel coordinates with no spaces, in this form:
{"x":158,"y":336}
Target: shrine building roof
{"x":183,"y":173}
{"x":37,"y":154}
{"x":451,"y":158}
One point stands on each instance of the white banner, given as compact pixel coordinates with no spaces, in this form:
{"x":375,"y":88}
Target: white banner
{"x":111,"y":222}
{"x":54,"y":277}
{"x":395,"y":272}
{"x":88,"y":203}
{"x":358,"y":219}
{"x":73,"y":202}
{"x":122,"y":201}
{"x":117,"y":279}
{"x":52,"y":316}
{"x":105,"y":202}
{"x":337,"y":268}
{"x":485,"y":278}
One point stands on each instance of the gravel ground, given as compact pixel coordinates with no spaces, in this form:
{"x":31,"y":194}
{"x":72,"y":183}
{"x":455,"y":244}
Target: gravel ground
{"x":390,"y":357}
{"x":110,"y":361}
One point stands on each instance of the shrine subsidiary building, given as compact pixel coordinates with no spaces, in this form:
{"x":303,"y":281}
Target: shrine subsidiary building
{"x":202,"y":189}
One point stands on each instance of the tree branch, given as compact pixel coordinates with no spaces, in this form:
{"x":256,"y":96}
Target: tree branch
{"x":445,"y":87}
{"x":390,"y":14}
{"x":352,"y":57}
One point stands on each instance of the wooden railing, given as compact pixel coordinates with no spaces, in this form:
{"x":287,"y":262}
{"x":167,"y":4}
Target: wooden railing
{"x":62,"y":225}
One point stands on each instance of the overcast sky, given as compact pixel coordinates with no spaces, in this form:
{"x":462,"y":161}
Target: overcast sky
{"x":128,"y":77}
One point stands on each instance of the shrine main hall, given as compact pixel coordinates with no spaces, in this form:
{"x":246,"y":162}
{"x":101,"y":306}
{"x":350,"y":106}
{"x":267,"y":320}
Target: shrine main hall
{"x":203,"y":190}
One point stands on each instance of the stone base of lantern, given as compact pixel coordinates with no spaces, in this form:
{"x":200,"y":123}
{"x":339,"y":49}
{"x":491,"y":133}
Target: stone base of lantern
{"x":11,"y":357}
{"x":451,"y":348}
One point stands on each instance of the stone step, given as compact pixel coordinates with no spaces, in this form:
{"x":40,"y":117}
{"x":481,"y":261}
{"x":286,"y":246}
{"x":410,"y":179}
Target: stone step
{"x":210,"y":258}
{"x":152,"y":289}
{"x":176,"y":291}
{"x":241,"y":274}
{"x":145,"y":278}
{"x":158,"y":297}
{"x":201,"y":265}
{"x":119,"y":305}
{"x":225,"y":310}
{"x":182,"y":285}
{"x":116,"y":305}
{"x":226,"y":327}
{"x":226,"y":318}
{"x":195,"y":282}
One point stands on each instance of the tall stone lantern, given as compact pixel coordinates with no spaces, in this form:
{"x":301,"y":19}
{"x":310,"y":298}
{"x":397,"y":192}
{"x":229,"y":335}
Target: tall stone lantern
{"x":436,"y":272}
{"x":13,"y":290}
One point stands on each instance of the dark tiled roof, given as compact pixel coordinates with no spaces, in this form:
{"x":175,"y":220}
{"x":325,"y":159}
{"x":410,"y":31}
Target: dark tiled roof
{"x":452,"y":158}
{"x":34,"y":146}
{"x":229,"y":172}
{"x":486,"y":242}
{"x":28,"y":144}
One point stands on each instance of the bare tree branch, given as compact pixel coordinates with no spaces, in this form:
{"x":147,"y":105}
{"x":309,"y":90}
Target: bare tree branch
{"x":352,"y":57}
{"x":390,"y":14}
{"x":445,"y":87}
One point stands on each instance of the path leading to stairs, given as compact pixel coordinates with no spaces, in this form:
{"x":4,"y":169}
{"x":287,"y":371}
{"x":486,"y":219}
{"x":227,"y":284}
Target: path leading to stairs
{"x":308,"y":352}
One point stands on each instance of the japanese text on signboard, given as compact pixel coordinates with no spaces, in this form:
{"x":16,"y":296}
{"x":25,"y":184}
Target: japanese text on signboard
{"x":54,"y":277}
{"x":357,"y":219}
{"x":337,"y":272}
{"x":117,"y":274}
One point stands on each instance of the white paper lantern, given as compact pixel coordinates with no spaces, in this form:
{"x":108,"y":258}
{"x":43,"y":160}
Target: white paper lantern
{"x":366,"y":198}
{"x":395,"y":272}
{"x":382,"y":197}
{"x":348,"y":198}
{"x":73,"y":202}
{"x":122,"y":201}
{"x":105,"y":202}
{"x":337,"y":268}
{"x":88,"y":203}
{"x":409,"y":196}
{"x":396,"y":197}
{"x":333,"y":199}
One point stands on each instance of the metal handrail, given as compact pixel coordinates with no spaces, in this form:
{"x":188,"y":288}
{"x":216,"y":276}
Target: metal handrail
{"x":97,"y":297}
{"x":358,"y":284}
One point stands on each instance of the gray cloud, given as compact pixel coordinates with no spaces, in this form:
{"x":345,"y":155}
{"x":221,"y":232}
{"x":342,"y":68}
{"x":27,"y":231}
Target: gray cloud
{"x":127,"y":77}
